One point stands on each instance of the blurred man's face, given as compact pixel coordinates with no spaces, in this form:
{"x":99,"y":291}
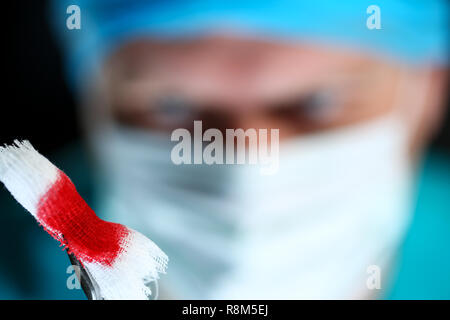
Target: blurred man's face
{"x":299,"y":89}
{"x":241,"y":83}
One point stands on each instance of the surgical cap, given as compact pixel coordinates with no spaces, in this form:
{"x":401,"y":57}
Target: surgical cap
{"x":411,"y":31}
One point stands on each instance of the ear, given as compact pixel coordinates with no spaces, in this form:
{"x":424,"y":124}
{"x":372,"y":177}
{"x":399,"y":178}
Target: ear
{"x":423,"y":99}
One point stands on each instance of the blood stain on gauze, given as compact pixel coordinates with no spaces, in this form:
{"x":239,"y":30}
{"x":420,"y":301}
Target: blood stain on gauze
{"x":68,"y":218}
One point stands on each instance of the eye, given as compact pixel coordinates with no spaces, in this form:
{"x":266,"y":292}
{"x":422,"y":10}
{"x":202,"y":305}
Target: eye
{"x":172,"y":111}
{"x":321,"y":106}
{"x":315,"y":109}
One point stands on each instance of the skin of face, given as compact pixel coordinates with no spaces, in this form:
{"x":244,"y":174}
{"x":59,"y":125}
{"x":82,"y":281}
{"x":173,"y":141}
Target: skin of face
{"x":237,"y":82}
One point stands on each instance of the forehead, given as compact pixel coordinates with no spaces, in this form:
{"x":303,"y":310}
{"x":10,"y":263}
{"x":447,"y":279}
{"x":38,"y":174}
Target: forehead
{"x":224,"y":67}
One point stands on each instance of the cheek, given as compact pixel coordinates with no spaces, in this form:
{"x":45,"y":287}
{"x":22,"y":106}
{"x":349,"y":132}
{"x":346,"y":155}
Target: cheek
{"x":421,"y":108}
{"x":372,"y":102}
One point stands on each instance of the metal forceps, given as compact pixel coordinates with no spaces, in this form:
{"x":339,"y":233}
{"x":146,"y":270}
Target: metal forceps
{"x":88,"y":284}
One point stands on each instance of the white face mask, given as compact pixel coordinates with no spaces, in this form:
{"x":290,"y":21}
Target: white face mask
{"x":338,"y":204}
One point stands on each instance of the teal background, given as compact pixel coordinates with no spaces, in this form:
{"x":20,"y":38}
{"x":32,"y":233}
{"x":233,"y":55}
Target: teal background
{"x":424,"y":266}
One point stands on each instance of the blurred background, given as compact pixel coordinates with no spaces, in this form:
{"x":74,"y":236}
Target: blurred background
{"x":39,"y":106}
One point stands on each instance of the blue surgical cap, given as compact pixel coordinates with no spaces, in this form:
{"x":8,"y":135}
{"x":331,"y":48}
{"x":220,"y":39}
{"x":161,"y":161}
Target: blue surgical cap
{"x":412,"y":31}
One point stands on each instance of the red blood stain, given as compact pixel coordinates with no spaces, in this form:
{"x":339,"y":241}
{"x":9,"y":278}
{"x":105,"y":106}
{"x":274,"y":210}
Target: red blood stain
{"x":67,"y":217}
